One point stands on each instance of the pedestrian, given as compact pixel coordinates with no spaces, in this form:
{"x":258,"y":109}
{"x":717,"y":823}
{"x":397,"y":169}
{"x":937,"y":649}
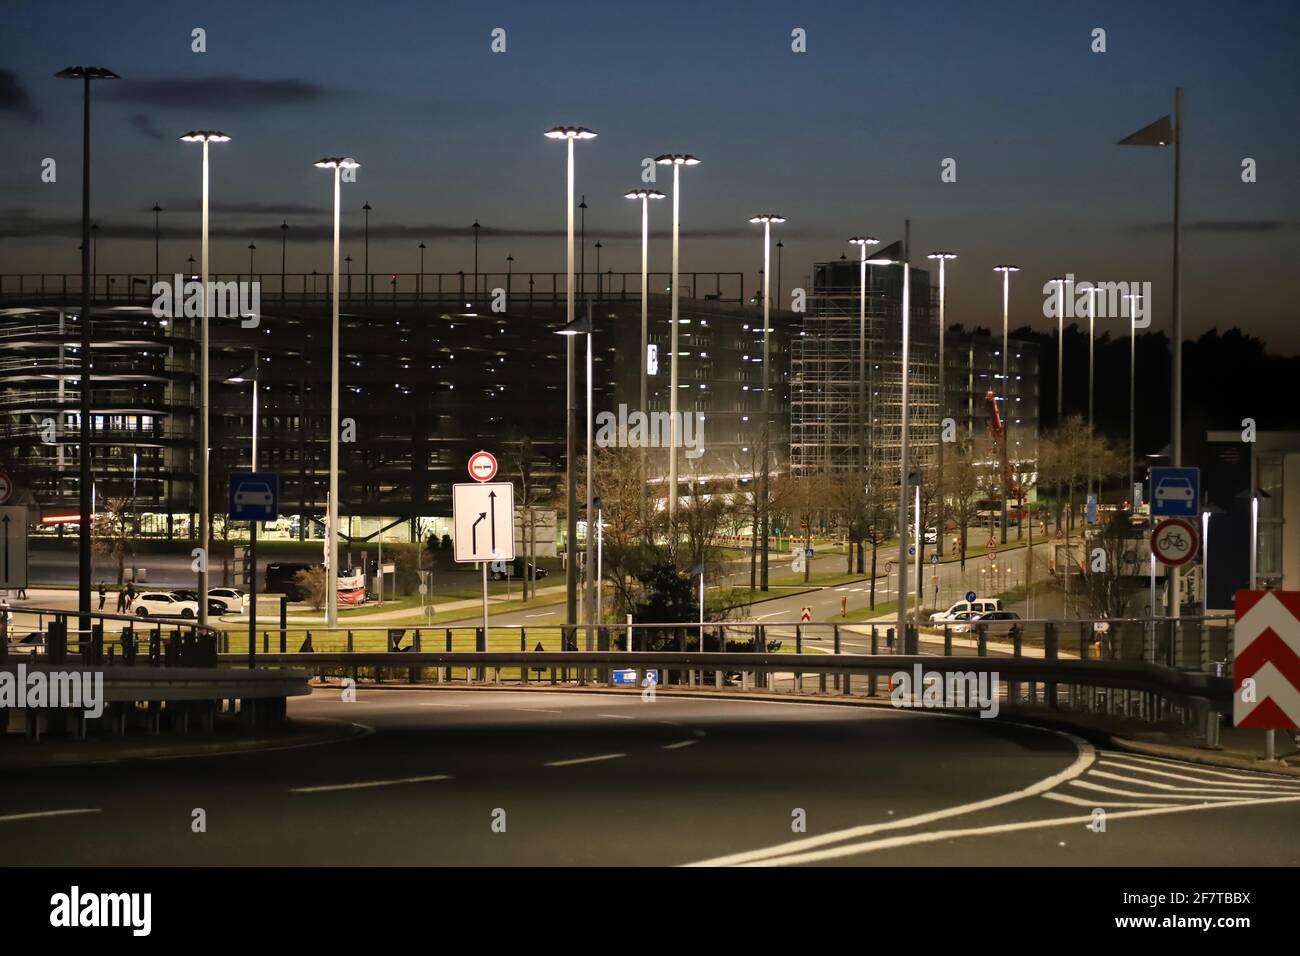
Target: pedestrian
{"x":130,"y":596}
{"x":103,"y":592}
{"x":121,"y":599}
{"x":22,"y":594}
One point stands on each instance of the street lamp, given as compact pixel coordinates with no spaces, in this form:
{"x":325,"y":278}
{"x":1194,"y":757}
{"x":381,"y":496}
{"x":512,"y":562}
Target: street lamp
{"x":570,"y":134}
{"x":419,"y":285}
{"x":475,"y":227}
{"x":85,"y":488}
{"x":204,"y":136}
{"x":1132,"y":299}
{"x":252,"y":247}
{"x":645,"y":195}
{"x":156,"y":210}
{"x":583,"y":326}
{"x":284,"y":233}
{"x":766,"y":218}
{"x":338,"y":164}
{"x":942,"y":258}
{"x":1091,"y":292}
{"x":676,"y":161}
{"x":1004,"y":480}
{"x":862,"y":242}
{"x":369,"y":285}
{"x":903,"y":474}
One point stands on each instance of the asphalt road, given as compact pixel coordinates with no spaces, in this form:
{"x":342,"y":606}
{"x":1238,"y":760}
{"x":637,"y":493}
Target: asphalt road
{"x":576,"y":778}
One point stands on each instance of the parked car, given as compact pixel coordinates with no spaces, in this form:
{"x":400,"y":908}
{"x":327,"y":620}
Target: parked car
{"x":165,"y":604}
{"x":996,"y":623}
{"x":963,"y":609}
{"x":216,"y":608}
{"x":514,"y":569}
{"x":232,"y":600}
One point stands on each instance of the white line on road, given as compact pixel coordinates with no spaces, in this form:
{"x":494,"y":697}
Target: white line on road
{"x":679,"y":745}
{"x":428,"y":703}
{"x":1210,"y":786}
{"x":539,"y":710}
{"x":1205,"y":771}
{"x":937,"y":835}
{"x":369,"y":784}
{"x":1080,"y":802}
{"x":617,"y":716}
{"x":578,"y":760}
{"x":1189,"y":793}
{"x":1084,"y":757}
{"x":541,"y":614}
{"x":46,"y":813}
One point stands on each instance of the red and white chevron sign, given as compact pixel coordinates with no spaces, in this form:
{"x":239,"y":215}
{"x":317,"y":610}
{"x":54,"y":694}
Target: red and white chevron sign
{"x":1267,"y":651}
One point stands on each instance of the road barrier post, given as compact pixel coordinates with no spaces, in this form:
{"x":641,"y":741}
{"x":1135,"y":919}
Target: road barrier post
{"x":947,"y":640}
{"x":1017,"y":647}
{"x":284,"y":622}
{"x":875,"y":649}
{"x":1049,"y":653}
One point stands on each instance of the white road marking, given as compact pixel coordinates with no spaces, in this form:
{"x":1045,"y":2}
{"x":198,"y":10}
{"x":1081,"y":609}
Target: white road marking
{"x":1210,"y":787}
{"x":1186,"y":795}
{"x":541,"y":614}
{"x":937,"y":835}
{"x":37,"y":814}
{"x":578,"y":760}
{"x":1205,"y":771}
{"x":617,"y":716}
{"x":1080,"y":802}
{"x":539,"y":710}
{"x":429,"y":703}
{"x":679,"y":745}
{"x":1085,"y":754}
{"x":366,"y":785}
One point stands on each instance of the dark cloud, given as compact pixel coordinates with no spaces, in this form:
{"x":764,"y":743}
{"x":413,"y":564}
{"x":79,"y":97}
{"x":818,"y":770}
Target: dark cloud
{"x":1220,"y":226}
{"x":143,"y":124}
{"x":215,"y":92}
{"x":14,"y":98}
{"x":245,"y":208}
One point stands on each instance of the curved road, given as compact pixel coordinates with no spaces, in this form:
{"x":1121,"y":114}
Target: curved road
{"x":611,"y":779}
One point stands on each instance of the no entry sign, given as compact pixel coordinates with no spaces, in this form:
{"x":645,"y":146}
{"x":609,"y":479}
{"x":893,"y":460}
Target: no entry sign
{"x":1266,"y":666}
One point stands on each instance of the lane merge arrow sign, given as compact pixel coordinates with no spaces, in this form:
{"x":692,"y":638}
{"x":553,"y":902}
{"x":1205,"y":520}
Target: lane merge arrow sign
{"x":490,"y":503}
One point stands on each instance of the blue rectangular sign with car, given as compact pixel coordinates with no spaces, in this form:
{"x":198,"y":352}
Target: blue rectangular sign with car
{"x":1175,"y":492}
{"x":254,"y":496}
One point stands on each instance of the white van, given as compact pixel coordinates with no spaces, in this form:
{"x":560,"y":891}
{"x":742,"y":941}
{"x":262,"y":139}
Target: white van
{"x":964,"y":609}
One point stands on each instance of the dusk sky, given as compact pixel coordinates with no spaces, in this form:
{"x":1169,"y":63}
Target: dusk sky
{"x":846,"y":138}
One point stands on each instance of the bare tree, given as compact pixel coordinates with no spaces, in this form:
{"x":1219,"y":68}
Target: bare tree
{"x":111,"y":533}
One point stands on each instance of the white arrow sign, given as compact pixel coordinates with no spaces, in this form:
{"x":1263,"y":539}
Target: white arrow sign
{"x":483,"y":519}
{"x":13,"y":552}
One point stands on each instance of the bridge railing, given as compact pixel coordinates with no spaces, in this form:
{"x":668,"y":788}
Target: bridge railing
{"x":60,"y":636}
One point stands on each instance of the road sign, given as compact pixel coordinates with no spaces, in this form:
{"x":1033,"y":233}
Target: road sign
{"x":6,"y":487}
{"x":911,"y":550}
{"x":1175,"y":492}
{"x":254,"y":496}
{"x":934,"y":558}
{"x":1173,"y":541}
{"x":1137,"y":496}
{"x":806,"y":615}
{"x":807,"y":552}
{"x":13,"y":559}
{"x":627,"y":676}
{"x":483,"y":521}
{"x":970,"y":595}
{"x":482,"y":466}
{"x":1091,"y":509}
{"x":1267,"y":640}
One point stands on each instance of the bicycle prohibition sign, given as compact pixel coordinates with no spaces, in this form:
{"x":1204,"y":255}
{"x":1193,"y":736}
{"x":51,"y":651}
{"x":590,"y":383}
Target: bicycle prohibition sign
{"x":1174,"y":541}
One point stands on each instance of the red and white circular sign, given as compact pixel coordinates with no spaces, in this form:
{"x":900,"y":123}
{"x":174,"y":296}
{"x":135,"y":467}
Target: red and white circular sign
{"x":1173,"y":541}
{"x":482,"y":466}
{"x":6,"y":487}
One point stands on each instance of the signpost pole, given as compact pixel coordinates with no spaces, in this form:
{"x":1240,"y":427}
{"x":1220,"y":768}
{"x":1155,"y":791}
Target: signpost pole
{"x":252,"y":594}
{"x":484,"y":566}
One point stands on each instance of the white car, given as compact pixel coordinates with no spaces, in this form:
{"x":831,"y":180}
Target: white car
{"x":963,"y":609}
{"x":234,"y":600}
{"x":256,"y":494}
{"x":162,"y":604}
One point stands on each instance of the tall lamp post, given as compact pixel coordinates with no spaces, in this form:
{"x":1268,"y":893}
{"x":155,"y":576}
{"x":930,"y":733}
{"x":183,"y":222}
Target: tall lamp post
{"x":942,"y":257}
{"x":284,"y":233}
{"x":583,"y":326}
{"x":1092,"y":367}
{"x":419,"y":285}
{"x":204,"y":136}
{"x":1004,"y":478}
{"x":570,"y":134}
{"x":85,"y":484}
{"x":1132,"y":299}
{"x":156,"y":210}
{"x":475,"y":227}
{"x":252,"y":247}
{"x":337,"y":164}
{"x":862,"y":242}
{"x":766,"y":218}
{"x":676,"y":161}
{"x":645,"y":195}
{"x":369,"y":285}
{"x":1060,"y":376}
{"x":903,"y":474}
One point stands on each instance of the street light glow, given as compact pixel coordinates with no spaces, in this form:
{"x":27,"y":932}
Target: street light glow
{"x":569,"y":132}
